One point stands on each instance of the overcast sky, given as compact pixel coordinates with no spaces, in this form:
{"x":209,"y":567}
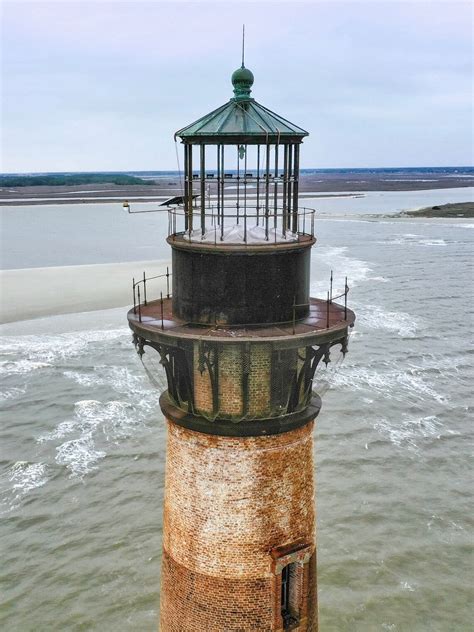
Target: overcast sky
{"x":104,"y":85}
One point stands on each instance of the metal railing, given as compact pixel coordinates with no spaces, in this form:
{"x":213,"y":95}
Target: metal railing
{"x":140,"y":289}
{"x":277,"y":226}
{"x":331,"y":298}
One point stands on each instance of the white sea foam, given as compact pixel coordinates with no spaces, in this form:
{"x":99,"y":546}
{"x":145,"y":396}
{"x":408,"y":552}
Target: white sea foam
{"x":356,"y":270}
{"x":413,"y":240}
{"x":397,"y":385}
{"x":93,"y":421}
{"x":374,"y":317}
{"x":19,"y":367}
{"x":79,"y":455}
{"x":25,"y":477}
{"x":97,"y":424}
{"x":12,"y":393}
{"x":414,"y":383}
{"x":43,"y":351}
{"x":433,"y":242}
{"x":408,"y":431}
{"x":120,"y":379}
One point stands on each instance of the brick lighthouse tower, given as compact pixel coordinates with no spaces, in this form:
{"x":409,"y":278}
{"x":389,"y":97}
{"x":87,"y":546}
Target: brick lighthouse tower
{"x":240,"y":339}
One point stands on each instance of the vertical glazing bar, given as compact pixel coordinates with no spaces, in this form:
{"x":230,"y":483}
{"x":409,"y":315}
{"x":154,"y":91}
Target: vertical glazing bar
{"x":275,"y":193}
{"x":186,"y":190}
{"x":296,"y":169}
{"x":190,"y":189}
{"x":218,"y":184}
{"x":203,"y":188}
{"x":267,"y":190}
{"x":285,"y":188}
{"x":245,"y":195}
{"x":258,"y":184}
{"x":222,"y":191}
{"x":289,"y":189}
{"x":238,"y":184}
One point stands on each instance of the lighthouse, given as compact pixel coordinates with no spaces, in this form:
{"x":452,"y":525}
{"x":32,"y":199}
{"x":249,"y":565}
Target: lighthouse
{"x":240,"y":339}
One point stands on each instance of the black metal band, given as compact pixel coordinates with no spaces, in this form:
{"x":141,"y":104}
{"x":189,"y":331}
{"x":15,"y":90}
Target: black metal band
{"x":244,"y":428}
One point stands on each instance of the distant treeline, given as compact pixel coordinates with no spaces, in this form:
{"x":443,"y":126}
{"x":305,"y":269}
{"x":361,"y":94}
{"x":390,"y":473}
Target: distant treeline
{"x":72,"y":179}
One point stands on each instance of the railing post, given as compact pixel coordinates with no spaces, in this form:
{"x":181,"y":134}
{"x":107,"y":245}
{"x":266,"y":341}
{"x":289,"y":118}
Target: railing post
{"x":139,"y":306}
{"x":312,"y":223}
{"x":161,"y":304}
{"x":144,"y":288}
{"x":134,"y":299}
{"x":167,"y":282}
{"x":346,"y":290}
{"x":327,"y":312}
{"x":330,"y":288}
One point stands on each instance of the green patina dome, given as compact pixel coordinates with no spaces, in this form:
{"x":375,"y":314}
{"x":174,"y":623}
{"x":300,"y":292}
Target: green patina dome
{"x":242,"y":80}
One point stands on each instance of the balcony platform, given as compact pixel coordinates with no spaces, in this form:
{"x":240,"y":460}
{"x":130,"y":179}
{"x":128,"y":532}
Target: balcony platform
{"x":155,"y":321}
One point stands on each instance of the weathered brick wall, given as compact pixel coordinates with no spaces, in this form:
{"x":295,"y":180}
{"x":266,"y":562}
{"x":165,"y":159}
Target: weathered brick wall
{"x":259,"y":380}
{"x":228,"y":503}
{"x":230,"y":379}
{"x":231,"y":367}
{"x":202,"y":385}
{"x":195,"y":602}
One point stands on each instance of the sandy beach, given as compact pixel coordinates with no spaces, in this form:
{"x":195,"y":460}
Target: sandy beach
{"x":37,"y":292}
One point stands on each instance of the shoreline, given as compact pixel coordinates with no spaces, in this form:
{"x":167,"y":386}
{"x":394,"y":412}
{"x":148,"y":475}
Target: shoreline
{"x":148,"y":200}
{"x":319,"y":185}
{"x":459,"y":211}
{"x":60,"y":290}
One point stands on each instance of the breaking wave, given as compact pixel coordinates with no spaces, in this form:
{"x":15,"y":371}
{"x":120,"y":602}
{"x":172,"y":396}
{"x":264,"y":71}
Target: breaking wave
{"x":356,"y":270}
{"x":408,"y":431}
{"x":413,"y":239}
{"x":374,"y":317}
{"x":19,"y":480}
{"x":396,"y":385}
{"x":43,"y":351}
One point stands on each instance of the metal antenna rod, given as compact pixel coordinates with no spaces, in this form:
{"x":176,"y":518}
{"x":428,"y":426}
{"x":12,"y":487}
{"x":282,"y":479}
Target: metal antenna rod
{"x":243,"y":44}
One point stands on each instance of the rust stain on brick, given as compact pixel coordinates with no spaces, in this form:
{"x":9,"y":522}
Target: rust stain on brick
{"x":231,"y":505}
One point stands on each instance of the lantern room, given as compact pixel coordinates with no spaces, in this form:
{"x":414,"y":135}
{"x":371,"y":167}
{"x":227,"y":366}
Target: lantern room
{"x":241,"y":173}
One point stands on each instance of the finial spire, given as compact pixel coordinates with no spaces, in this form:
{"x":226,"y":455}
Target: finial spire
{"x":242,"y":78}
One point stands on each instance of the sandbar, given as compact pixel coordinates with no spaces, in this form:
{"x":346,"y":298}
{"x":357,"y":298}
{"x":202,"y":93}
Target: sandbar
{"x":38,"y":292}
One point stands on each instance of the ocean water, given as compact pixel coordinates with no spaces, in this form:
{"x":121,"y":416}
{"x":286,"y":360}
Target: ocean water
{"x":82,"y":445}
{"x":61,"y":234}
